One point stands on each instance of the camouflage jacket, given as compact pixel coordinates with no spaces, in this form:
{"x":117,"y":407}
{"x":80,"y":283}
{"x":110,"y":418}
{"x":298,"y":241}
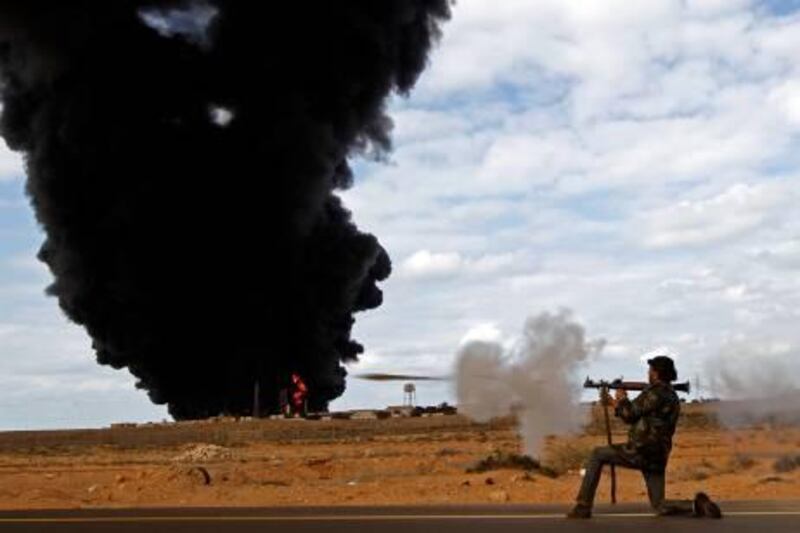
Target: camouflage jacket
{"x":653,"y":416}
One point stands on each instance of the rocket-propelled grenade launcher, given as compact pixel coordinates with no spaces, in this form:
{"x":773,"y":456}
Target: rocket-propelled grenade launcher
{"x":629,"y":385}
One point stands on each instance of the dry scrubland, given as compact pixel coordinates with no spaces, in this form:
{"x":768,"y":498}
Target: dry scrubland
{"x":350,"y":462}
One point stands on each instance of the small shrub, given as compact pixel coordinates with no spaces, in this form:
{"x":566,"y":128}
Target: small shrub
{"x":699,"y":472}
{"x":740,"y":462}
{"x":447,"y":452}
{"x":787,"y":463}
{"x":498,"y":460}
{"x":705,"y":463}
{"x":568,"y":456}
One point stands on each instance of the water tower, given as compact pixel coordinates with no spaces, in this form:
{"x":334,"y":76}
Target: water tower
{"x":409,"y":395}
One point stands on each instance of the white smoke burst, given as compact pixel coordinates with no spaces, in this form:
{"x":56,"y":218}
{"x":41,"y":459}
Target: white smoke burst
{"x":536,"y":377}
{"x":757,"y":381}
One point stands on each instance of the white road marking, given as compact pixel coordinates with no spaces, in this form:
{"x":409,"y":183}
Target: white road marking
{"x":346,"y":518}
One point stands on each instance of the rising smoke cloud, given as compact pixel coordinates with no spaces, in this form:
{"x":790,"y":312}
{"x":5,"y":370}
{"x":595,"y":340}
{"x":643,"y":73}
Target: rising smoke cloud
{"x":757,"y":380}
{"x":536,"y":377}
{"x":183,"y":158}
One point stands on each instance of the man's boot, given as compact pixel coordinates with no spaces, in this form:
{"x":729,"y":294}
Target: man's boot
{"x":704,"y":507}
{"x":580,"y":511}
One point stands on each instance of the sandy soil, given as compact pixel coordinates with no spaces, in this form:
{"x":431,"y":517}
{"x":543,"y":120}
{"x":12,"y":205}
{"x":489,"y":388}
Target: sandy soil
{"x":428,"y":467}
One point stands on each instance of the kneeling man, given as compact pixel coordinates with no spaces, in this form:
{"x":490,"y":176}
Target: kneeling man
{"x":652,"y":416}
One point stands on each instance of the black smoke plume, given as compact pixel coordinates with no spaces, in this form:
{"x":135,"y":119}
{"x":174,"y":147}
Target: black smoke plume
{"x":183,"y":158}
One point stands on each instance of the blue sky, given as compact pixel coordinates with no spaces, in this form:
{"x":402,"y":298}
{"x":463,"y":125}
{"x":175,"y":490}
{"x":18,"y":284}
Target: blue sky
{"x":782,"y":7}
{"x":635,"y":162}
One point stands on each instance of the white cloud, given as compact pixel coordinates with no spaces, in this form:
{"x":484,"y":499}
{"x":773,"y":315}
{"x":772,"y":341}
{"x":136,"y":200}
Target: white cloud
{"x":618,"y":350}
{"x":715,"y":7}
{"x":784,"y":254}
{"x":786,"y":97}
{"x":50,"y":378}
{"x":423,"y":125}
{"x":424,"y":264}
{"x":521,"y":162}
{"x":427,"y":264}
{"x":487,"y":331}
{"x":660,"y":350}
{"x":10,"y":163}
{"x":490,"y":264}
{"x":736,"y":210}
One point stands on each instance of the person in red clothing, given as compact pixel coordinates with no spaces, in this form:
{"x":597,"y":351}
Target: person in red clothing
{"x":299,"y":394}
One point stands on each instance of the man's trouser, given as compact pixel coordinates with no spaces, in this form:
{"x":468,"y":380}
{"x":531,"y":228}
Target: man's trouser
{"x":654,"y":479}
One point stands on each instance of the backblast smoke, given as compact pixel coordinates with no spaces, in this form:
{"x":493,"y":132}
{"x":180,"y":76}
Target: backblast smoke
{"x":183,"y":158}
{"x":757,"y":381}
{"x":536,"y":378}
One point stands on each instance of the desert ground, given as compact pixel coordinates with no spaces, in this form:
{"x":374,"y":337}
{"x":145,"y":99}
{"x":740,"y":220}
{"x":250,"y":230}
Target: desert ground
{"x":421,"y":460}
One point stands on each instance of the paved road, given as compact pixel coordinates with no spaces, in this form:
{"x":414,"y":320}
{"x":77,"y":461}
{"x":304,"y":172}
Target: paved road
{"x":742,"y":517}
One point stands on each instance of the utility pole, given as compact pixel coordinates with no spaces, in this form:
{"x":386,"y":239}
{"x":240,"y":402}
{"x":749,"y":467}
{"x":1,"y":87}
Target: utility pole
{"x":256,"y":402}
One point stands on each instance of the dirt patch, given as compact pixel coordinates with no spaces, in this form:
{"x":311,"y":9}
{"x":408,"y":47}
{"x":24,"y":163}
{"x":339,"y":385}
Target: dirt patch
{"x":403,"y":461}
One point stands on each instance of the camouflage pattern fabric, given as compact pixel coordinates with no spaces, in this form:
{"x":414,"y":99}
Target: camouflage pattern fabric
{"x":653,"y":416}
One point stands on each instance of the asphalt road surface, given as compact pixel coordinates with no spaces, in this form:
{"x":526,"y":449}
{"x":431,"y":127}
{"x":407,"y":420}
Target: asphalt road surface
{"x":740,"y":517}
